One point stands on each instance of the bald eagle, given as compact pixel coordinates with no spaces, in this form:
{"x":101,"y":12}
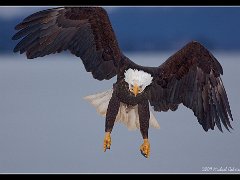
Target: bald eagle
{"x":190,"y":77}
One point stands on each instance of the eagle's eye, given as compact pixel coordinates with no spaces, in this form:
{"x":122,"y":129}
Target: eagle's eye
{"x":140,"y":88}
{"x":131,"y":87}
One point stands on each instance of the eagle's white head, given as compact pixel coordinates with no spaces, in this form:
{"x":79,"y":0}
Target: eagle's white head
{"x":137,"y":80}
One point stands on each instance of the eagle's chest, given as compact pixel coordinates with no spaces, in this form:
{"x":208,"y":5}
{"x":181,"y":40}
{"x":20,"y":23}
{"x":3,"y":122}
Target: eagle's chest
{"x":126,"y":97}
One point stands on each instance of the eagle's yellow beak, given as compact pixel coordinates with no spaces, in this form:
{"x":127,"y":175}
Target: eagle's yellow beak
{"x":135,"y":89}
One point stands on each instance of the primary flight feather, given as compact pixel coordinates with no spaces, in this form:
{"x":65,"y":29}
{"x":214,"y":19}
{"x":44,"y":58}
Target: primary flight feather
{"x":191,"y":76}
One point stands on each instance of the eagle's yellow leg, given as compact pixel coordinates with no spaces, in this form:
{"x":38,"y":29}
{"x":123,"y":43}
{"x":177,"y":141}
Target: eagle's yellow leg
{"x":107,"y":141}
{"x":145,"y":148}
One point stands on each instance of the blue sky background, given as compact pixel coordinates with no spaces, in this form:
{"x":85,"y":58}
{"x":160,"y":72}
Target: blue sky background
{"x":152,"y":28}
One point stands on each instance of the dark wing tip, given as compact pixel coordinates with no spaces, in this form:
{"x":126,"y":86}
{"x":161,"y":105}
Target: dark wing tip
{"x":18,"y":26}
{"x":15,"y":37}
{"x":15,"y":50}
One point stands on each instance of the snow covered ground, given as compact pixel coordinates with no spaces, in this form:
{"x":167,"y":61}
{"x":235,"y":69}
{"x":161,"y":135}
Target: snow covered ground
{"x":47,"y":127}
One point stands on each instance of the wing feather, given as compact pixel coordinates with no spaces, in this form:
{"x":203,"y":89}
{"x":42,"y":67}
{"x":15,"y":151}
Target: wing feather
{"x":85,"y":31}
{"x":192,"y":77}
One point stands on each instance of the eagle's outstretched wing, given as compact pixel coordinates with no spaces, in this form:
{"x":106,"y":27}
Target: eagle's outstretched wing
{"x":192,"y":77}
{"x":84,"y":31}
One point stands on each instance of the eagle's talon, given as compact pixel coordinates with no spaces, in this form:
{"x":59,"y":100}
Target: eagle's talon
{"x":107,"y":141}
{"x":145,"y":148}
{"x":143,"y":154}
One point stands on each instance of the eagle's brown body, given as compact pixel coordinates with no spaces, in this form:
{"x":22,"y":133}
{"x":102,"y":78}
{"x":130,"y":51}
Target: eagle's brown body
{"x":121,"y":94}
{"x":190,"y":77}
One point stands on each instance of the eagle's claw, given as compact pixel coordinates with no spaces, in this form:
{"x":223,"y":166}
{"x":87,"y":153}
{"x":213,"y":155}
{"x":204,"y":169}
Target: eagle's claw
{"x":145,"y":148}
{"x":107,"y":141}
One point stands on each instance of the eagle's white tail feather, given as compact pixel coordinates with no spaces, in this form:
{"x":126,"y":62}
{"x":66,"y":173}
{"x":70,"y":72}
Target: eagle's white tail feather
{"x":126,"y":115}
